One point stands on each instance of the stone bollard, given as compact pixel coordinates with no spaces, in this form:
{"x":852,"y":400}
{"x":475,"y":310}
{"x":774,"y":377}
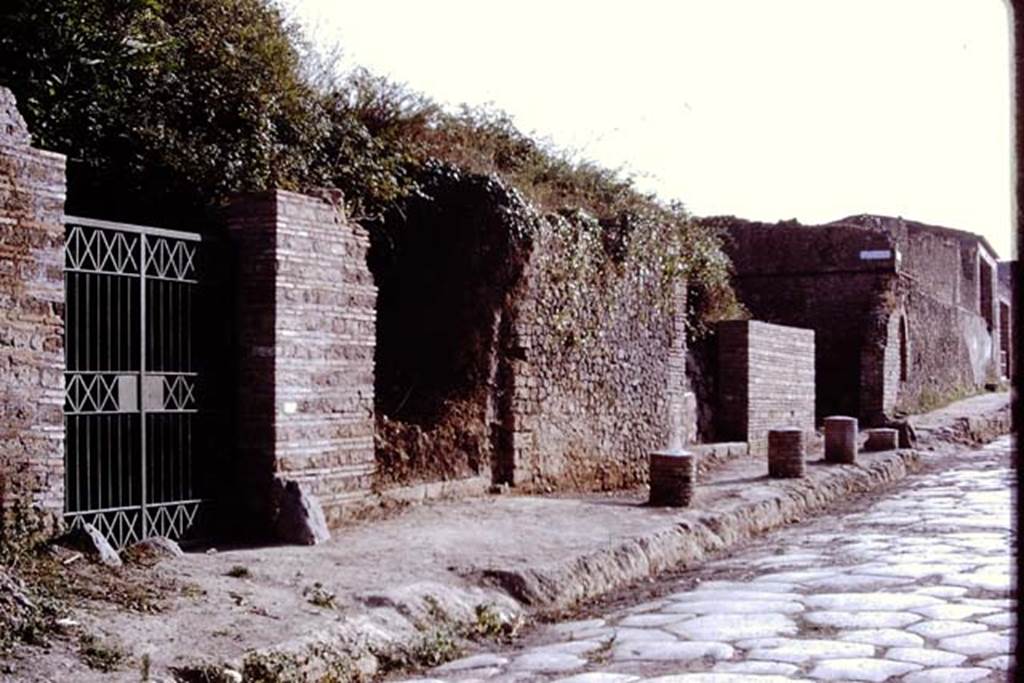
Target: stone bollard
{"x":786,"y":453}
{"x":882,"y":439}
{"x":673,"y":478}
{"x":841,"y":439}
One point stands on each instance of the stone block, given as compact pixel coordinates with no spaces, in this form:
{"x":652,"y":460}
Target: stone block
{"x":673,"y":476}
{"x":841,"y":439}
{"x":786,"y":453}
{"x":300,"y":518}
{"x":94,"y":544}
{"x":881,"y":439}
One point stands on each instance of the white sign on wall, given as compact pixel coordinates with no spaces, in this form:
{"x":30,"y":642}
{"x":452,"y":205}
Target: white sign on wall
{"x":876,"y":255}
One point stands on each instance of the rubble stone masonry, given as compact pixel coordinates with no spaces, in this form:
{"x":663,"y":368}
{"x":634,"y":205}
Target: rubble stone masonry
{"x":32,"y":191}
{"x":305,"y":326}
{"x":588,"y":418}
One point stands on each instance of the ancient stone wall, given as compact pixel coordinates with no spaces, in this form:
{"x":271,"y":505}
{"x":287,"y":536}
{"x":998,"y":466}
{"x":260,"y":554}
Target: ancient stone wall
{"x":935,"y":264}
{"x":825,"y":278}
{"x":586,"y":417}
{"x":1006,"y":290}
{"x":32,"y":192}
{"x":473,"y":378}
{"x":897,"y":307}
{"x":766,"y":380}
{"x":305,"y":326}
{"x":884,"y":363}
{"x":950,"y":351}
{"x":946,"y":293}
{"x":792,"y":249}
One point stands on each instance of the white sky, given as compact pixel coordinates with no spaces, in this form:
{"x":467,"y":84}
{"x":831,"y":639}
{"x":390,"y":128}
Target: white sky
{"x":766,"y":109}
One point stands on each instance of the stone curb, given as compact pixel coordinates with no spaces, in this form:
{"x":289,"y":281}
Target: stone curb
{"x":974,"y":429}
{"x":564,"y":584}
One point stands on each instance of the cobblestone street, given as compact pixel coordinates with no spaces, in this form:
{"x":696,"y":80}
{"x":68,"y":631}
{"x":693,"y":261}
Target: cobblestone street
{"x":914,"y":587}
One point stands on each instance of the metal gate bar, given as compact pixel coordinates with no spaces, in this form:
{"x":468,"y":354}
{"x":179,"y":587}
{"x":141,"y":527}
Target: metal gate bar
{"x":132,"y":380}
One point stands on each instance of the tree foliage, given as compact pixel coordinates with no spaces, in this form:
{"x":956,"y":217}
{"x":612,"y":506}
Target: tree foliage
{"x":162,"y":106}
{"x":165,"y":107}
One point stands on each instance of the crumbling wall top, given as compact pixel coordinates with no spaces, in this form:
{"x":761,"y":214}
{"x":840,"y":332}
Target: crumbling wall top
{"x":13,"y":130}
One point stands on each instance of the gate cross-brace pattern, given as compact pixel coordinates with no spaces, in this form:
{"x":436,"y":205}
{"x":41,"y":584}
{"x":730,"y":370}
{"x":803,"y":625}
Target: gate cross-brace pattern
{"x":134,"y":451}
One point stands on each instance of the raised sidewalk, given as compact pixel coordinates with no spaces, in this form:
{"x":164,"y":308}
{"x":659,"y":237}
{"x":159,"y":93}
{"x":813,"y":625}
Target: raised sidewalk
{"x":385,"y":592}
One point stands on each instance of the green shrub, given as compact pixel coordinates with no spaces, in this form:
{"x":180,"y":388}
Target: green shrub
{"x":165,"y":107}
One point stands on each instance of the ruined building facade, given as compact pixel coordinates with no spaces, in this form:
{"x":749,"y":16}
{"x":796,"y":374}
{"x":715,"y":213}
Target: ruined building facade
{"x":293,"y":364}
{"x":907,"y":315}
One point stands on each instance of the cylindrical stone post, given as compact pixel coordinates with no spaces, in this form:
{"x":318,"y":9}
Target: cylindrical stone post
{"x":673,"y":478}
{"x":786,"y":453}
{"x":882,"y":439}
{"x":841,"y":439}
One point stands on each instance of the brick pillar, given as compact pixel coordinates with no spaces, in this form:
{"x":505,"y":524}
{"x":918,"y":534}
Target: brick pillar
{"x":733,"y":380}
{"x":32,"y":190}
{"x":306,"y":332}
{"x":682,"y":403}
{"x":765,"y":380}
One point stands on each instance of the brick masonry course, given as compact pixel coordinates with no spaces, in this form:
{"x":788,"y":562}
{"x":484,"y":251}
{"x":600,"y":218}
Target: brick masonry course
{"x":32,"y":192}
{"x":766,"y":380}
{"x":305,"y":326}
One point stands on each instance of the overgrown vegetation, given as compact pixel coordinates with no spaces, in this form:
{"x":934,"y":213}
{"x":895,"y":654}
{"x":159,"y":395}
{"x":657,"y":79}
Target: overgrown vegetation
{"x":27,"y":615}
{"x":451,"y":445}
{"x":165,"y":107}
{"x":162,"y":106}
{"x":41,"y":586}
{"x":442,"y":639}
{"x":100,"y":655}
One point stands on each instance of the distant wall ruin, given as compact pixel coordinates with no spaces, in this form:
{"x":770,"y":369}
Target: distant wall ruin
{"x":904,"y":312}
{"x":815,"y":279}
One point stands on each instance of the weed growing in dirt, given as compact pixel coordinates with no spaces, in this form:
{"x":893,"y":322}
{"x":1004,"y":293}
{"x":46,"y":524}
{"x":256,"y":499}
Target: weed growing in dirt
{"x":98,"y":655}
{"x":319,"y":596}
{"x":239,"y":572}
{"x":492,"y":626}
{"x":437,"y":646}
